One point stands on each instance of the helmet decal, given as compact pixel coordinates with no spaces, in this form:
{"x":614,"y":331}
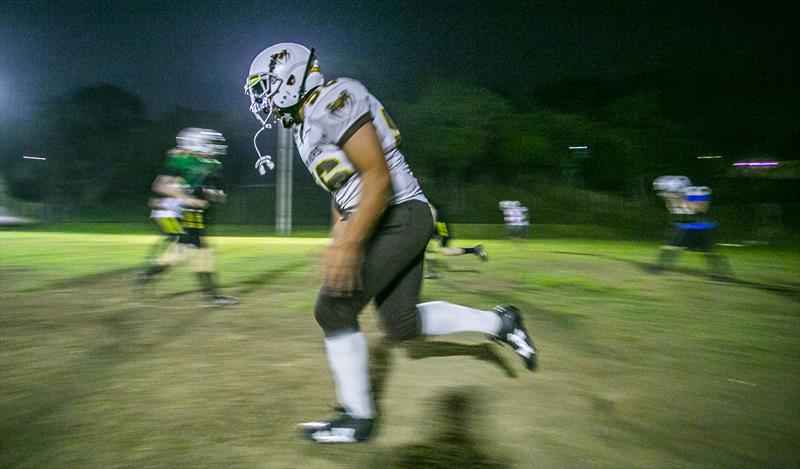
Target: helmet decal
{"x":281,"y":57}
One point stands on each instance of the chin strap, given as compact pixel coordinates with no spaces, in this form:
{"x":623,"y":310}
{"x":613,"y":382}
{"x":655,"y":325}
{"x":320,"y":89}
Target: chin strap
{"x":264,"y":161}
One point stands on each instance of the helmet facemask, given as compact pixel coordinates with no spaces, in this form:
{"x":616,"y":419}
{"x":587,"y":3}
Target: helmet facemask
{"x":262,"y":89}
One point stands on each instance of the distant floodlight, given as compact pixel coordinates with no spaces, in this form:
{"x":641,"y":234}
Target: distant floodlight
{"x":579,"y":147}
{"x":756,"y":163}
{"x":709,"y":157}
{"x":34,"y":158}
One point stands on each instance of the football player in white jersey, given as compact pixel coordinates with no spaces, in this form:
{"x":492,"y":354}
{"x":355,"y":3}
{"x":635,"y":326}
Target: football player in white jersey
{"x":692,"y":229}
{"x":351,"y":147}
{"x":515,"y":216}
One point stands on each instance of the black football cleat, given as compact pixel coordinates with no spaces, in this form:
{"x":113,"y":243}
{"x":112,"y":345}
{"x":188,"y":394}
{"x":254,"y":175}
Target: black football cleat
{"x":344,"y":429}
{"x":513,"y":333}
{"x":480,"y":251}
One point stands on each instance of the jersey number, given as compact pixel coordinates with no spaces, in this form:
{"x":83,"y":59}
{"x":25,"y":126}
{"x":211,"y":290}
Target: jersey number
{"x":333,"y":179}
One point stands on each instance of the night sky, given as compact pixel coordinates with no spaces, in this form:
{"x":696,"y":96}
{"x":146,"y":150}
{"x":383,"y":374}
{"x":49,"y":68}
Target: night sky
{"x":197,"y":53}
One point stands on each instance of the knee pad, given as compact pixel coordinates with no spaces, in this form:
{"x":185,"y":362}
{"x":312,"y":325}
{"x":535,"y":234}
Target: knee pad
{"x":334,"y":314}
{"x":401,"y":325}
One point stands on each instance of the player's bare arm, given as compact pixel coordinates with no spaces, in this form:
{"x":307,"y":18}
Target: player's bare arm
{"x":214,"y":195}
{"x":343,"y":257}
{"x":170,"y":187}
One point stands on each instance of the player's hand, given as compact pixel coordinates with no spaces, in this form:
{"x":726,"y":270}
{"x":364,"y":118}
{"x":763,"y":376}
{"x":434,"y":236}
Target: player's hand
{"x":341,"y":266}
{"x":195,"y":202}
{"x":214,"y":195}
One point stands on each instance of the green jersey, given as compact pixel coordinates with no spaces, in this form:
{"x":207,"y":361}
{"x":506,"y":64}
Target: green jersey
{"x":196,"y":171}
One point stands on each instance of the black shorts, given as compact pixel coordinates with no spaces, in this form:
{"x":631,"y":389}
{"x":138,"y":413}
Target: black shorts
{"x":193,"y":236}
{"x":692,"y":239}
{"x":194,"y":225}
{"x":391,"y":274}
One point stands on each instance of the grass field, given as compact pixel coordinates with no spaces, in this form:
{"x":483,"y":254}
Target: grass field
{"x":636,"y":370}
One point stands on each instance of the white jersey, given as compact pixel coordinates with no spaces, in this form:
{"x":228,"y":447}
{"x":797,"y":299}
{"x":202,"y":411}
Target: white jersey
{"x":516,"y":215}
{"x":332,"y":114}
{"x":675,"y":202}
{"x":167,"y":207}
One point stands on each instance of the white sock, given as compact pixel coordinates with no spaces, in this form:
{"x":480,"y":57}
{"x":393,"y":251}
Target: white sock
{"x":349,"y":362}
{"x":440,"y":317}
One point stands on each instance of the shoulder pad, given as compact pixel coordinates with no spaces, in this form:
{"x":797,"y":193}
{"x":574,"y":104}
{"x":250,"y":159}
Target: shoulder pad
{"x":341,"y":107}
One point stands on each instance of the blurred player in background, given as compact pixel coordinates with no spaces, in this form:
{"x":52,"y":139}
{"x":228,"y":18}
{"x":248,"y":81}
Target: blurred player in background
{"x":186,"y":193}
{"x":515,"y":216}
{"x":443,"y":233}
{"x":691,"y":227}
{"x":351,"y":148}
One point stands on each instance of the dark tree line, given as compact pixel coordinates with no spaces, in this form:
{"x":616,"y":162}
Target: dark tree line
{"x":102,"y":146}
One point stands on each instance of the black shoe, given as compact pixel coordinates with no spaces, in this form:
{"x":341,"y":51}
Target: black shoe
{"x":344,"y":429}
{"x":480,"y":251}
{"x":513,"y":333}
{"x":222,"y":300}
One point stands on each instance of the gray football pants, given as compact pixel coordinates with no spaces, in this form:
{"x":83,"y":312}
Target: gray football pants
{"x":391,"y":273}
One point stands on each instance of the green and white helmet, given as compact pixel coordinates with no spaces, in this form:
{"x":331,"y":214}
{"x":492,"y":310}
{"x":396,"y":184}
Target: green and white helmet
{"x":204,"y":141}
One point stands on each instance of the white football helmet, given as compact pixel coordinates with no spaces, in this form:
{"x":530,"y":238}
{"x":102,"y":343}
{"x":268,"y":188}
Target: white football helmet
{"x":205,"y":141}
{"x":280,"y":77}
{"x":671,"y":183}
{"x":508,"y":204}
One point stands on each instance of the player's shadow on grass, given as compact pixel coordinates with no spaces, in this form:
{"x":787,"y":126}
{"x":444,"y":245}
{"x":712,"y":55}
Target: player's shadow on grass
{"x":380,"y":361}
{"x":265,"y":278}
{"x":245,"y":286}
{"x":648,"y":268}
{"x":450,"y":443}
{"x":82,"y":281}
{"x":420,"y":349}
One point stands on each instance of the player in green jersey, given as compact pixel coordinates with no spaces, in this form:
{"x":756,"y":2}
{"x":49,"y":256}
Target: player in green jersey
{"x":188,"y":189}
